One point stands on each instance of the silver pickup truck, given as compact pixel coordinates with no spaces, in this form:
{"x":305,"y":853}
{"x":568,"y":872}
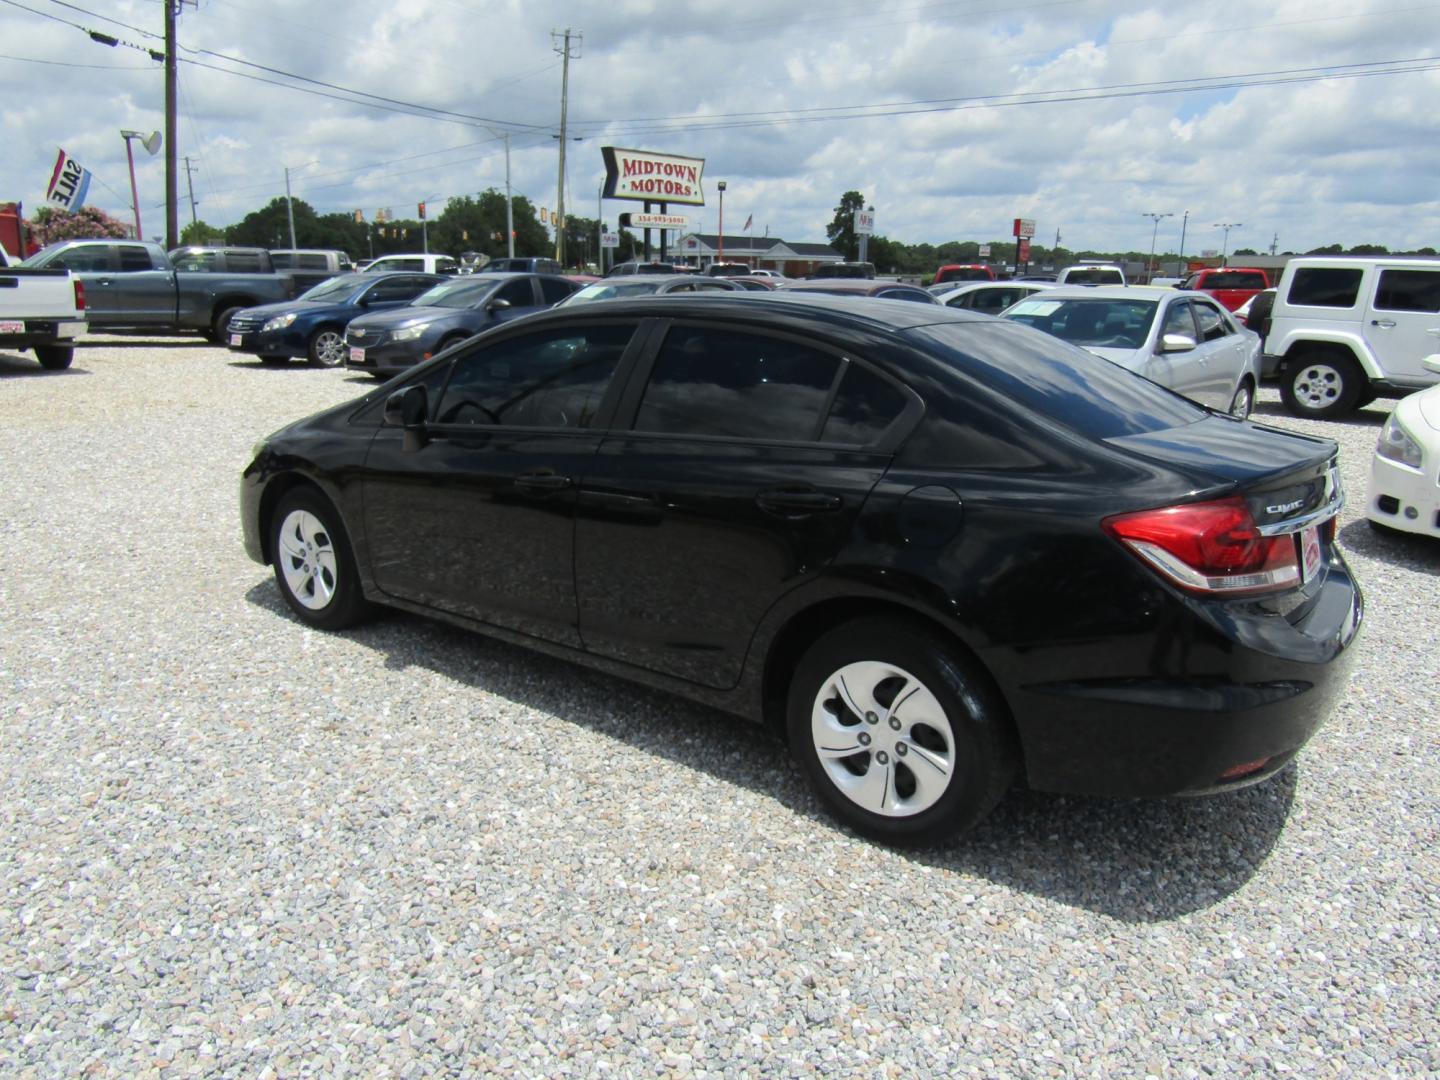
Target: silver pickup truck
{"x":133,"y":285}
{"x":42,"y":310}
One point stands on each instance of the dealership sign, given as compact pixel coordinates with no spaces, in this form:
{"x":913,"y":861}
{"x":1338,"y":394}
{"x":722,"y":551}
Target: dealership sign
{"x":864,"y":222}
{"x":1024,"y":227}
{"x":642,"y":175}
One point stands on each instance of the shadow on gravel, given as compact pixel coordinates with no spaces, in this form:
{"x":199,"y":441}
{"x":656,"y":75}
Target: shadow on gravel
{"x":1405,"y":550}
{"x":19,"y":364}
{"x":1136,"y":860}
{"x":118,"y":342}
{"x":1365,"y":417}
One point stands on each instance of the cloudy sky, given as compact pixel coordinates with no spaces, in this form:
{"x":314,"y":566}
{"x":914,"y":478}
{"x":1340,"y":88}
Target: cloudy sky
{"x":1308,"y":120}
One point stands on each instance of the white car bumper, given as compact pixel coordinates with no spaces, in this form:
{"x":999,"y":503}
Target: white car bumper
{"x":1404,"y":498}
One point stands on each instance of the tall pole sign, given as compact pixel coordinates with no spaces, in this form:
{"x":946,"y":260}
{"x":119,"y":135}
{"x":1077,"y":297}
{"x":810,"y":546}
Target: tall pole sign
{"x":1024,"y":233}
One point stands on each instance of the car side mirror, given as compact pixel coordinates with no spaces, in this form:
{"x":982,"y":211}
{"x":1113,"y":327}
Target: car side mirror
{"x":1431,"y":363}
{"x":408,"y":409}
{"x":498,"y":305}
{"x":1176,"y":343}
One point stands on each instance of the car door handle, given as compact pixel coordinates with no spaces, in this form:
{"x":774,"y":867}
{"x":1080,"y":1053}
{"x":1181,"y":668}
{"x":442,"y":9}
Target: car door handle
{"x":797,"y":502}
{"x":1384,"y":324}
{"x":542,"y":481}
{"x":105,"y":281}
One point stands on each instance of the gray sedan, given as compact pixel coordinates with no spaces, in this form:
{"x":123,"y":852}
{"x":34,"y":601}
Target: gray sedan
{"x":617,"y":286}
{"x":387,"y":342}
{"x":1182,"y":340}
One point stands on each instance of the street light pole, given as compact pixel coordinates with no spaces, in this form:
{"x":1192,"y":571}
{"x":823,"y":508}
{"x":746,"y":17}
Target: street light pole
{"x":1183,"y":223}
{"x":151,"y":143}
{"x":720,"y":186}
{"x":1150,"y":266}
{"x":1225,"y":247}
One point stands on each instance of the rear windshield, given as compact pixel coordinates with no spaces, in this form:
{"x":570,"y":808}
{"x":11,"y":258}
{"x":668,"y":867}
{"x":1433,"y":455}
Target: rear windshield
{"x":1067,"y":385}
{"x":1094,"y":277}
{"x":601,"y":291}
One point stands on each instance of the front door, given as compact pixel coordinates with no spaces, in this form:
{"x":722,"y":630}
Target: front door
{"x":492,"y":491}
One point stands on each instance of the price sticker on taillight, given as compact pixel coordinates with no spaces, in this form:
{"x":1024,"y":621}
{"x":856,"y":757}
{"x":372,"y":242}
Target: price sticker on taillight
{"x":1310,"y":552}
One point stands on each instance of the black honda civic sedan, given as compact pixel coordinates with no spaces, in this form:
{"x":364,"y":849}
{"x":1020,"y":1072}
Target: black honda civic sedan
{"x":936,"y":549}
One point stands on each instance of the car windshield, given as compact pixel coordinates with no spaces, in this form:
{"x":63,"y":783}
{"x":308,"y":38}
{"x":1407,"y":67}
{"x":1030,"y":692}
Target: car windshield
{"x":1106,"y":324}
{"x":601,"y":291}
{"x":454,"y":294}
{"x":338,"y":289}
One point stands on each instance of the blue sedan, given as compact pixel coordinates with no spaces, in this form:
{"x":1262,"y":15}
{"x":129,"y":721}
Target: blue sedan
{"x":387,"y":342}
{"x":313,"y":325}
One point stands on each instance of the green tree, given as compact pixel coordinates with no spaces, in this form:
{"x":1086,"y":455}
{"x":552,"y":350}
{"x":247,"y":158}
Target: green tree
{"x":478,"y":224}
{"x":197,"y":232}
{"x":1369,"y":249}
{"x":51,"y":225}
{"x":841,"y":230}
{"x":1328,"y":249}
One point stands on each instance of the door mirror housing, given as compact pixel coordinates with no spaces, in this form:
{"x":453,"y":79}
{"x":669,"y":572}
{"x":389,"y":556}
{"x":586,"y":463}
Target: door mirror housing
{"x":408,"y":409}
{"x":1431,"y":363}
{"x":1176,"y":343}
{"x":498,"y":305}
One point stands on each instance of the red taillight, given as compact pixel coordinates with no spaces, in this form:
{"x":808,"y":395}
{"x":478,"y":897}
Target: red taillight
{"x":1209,"y":547}
{"x":79,"y":295}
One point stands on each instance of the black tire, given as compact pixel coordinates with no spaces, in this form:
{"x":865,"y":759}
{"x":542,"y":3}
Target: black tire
{"x":220,"y":322}
{"x":326,"y":347}
{"x":1321,"y":385}
{"x":324,"y":592}
{"x":978,"y":752}
{"x":55,"y":357}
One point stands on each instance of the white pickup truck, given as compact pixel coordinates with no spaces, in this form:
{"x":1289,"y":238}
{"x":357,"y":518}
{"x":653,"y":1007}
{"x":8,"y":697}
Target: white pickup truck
{"x":42,"y":310}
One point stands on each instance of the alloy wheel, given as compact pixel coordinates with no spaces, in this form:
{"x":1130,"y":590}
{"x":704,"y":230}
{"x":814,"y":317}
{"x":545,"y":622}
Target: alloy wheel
{"x":1318,"y":386}
{"x":307,"y":559}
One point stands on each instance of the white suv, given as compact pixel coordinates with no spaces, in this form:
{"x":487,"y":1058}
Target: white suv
{"x":1091,"y":274}
{"x":1347,"y":330}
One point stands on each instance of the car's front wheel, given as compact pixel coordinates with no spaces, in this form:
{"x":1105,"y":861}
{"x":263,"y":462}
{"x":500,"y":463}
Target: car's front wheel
{"x":327,"y":347}
{"x":314,"y":566}
{"x":902,"y":737}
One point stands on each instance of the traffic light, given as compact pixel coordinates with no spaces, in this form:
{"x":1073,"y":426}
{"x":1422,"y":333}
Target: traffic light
{"x":422,"y":211}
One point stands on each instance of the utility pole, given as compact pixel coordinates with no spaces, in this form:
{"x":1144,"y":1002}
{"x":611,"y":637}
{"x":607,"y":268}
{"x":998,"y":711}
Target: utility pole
{"x":509,"y":202}
{"x":289,"y":207}
{"x":1183,"y":223}
{"x":564,"y":51}
{"x":1274,"y":243}
{"x":190,"y":187}
{"x":172,"y":222}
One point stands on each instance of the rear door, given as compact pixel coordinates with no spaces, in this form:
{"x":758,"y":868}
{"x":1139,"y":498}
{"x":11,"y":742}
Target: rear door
{"x":750,"y":456}
{"x":1220,"y":355}
{"x":1402,"y":325}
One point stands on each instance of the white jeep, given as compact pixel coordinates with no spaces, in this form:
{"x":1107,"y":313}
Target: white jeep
{"x":1346,"y":330}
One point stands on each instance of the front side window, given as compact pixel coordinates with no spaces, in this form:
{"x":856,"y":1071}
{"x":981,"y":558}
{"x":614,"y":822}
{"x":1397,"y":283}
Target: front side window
{"x":519,"y":293}
{"x":708,"y":381}
{"x":1325,"y":286}
{"x":1212,"y":323}
{"x":1178,"y":320}
{"x":92,"y":258}
{"x":555,"y":378}
{"x":1408,"y":290}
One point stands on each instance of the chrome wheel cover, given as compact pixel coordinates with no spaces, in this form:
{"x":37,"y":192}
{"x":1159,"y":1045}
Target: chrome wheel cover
{"x":1242,"y":404}
{"x":330,"y":348}
{"x":1317,"y":386}
{"x":307,"y":559}
{"x":883,"y":739}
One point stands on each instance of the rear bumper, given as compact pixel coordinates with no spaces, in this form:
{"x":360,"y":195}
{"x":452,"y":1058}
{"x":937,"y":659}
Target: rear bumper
{"x":42,"y":332}
{"x":1244,"y":690}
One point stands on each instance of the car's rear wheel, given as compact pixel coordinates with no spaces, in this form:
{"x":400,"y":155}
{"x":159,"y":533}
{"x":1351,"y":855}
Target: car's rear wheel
{"x":902,"y":737}
{"x":327,"y":347}
{"x":1243,"y":401}
{"x":314,"y":566}
{"x":55,"y":357}
{"x":1321,"y":385}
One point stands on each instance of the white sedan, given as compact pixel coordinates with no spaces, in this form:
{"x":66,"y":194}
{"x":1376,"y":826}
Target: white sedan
{"x":1404,"y":493}
{"x":987,"y":297}
{"x":1183,"y":340}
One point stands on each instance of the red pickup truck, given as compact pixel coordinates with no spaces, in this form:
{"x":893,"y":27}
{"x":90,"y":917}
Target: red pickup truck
{"x":1231,"y":285}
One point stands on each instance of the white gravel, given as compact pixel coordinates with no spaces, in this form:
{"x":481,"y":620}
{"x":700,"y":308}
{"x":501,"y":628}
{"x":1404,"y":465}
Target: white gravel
{"x":233,"y":847}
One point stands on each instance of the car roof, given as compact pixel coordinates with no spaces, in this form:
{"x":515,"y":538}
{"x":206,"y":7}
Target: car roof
{"x":856,"y":285}
{"x":858,"y":312}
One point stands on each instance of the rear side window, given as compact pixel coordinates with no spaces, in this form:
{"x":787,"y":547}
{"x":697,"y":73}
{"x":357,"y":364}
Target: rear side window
{"x":1409,"y":290}
{"x":244,"y":262}
{"x":312,"y":262}
{"x":135,"y":258}
{"x":707,"y":381}
{"x":555,"y":378}
{"x":195,"y":262}
{"x":1067,"y":386}
{"x":1333,"y":287}
{"x":864,"y":407}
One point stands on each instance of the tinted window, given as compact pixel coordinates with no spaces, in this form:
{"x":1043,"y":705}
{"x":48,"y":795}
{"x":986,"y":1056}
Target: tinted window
{"x":551,"y":379}
{"x":1409,"y":290}
{"x":1325,"y":287}
{"x":720,"y":382}
{"x":1234,"y":279}
{"x":916,"y":295}
{"x":245,"y":262}
{"x":1094,"y":277}
{"x":864,"y":407}
{"x":553,"y":290}
{"x":312,"y":262}
{"x":400,"y":288}
{"x":135,"y":258}
{"x":1068,"y":386}
{"x":1178,"y":320}
{"x":517,"y":293}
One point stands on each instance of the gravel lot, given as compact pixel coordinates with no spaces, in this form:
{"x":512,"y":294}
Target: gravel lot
{"x":233,"y":847}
